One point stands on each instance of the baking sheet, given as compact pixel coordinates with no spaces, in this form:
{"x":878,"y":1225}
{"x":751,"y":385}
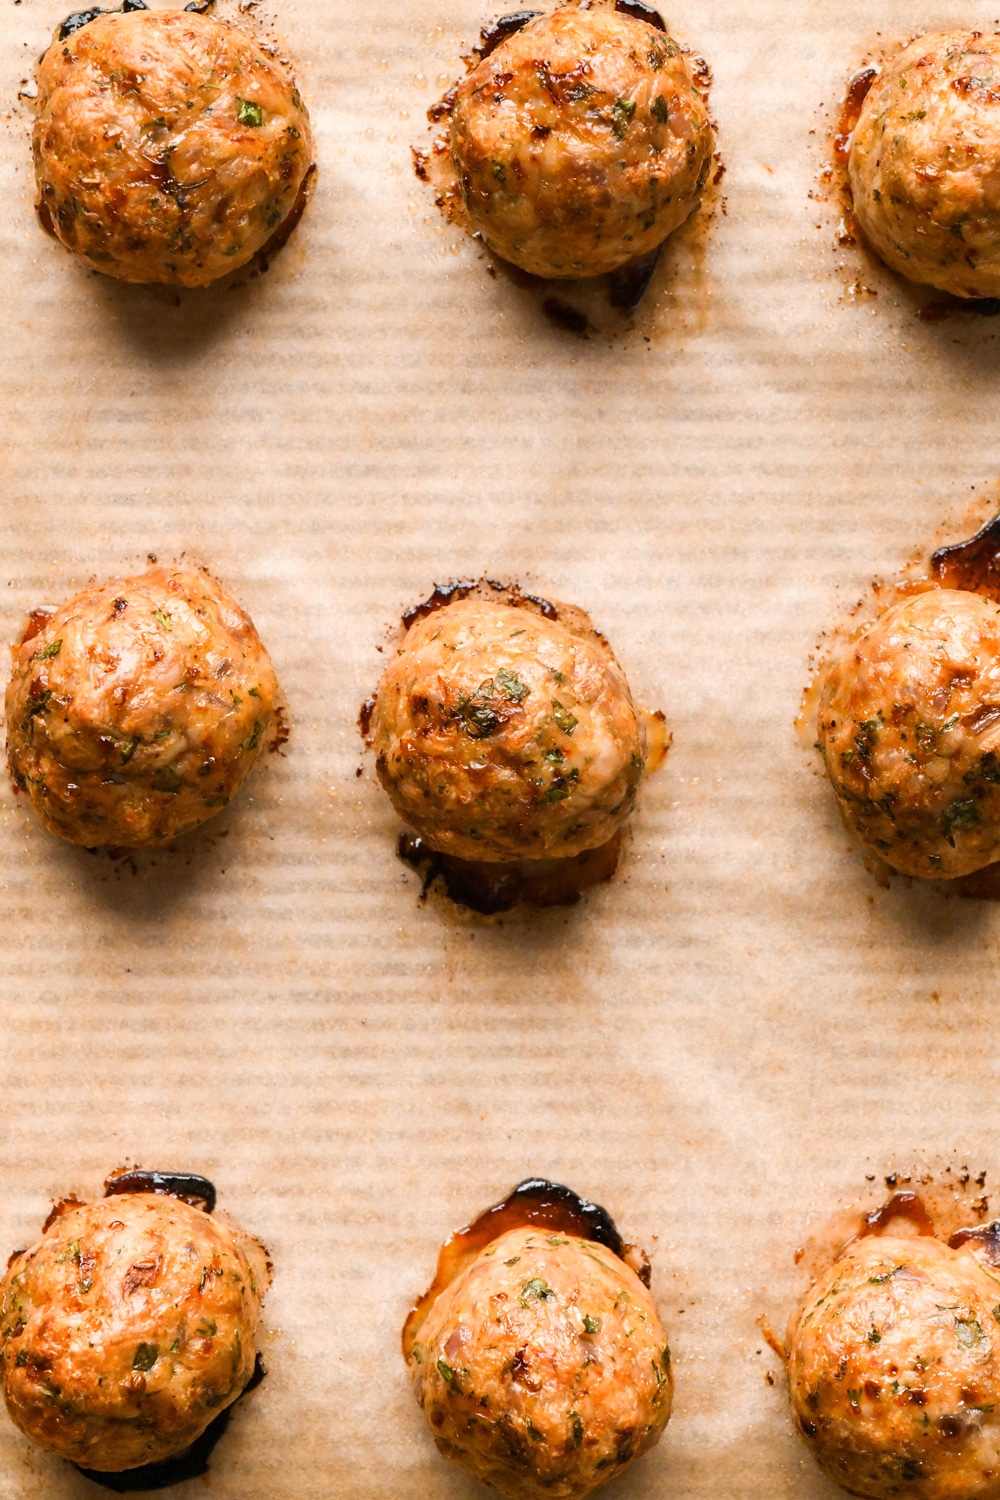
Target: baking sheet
{"x":718,"y":1046}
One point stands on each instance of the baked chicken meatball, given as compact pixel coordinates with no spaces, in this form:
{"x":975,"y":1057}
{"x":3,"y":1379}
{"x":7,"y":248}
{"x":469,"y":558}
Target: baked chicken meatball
{"x":503,"y":735}
{"x":126,"y":1330}
{"x":894,"y":1371}
{"x":168,"y":146}
{"x":137,"y":709}
{"x":543,"y":1369}
{"x":580,"y":143}
{"x":909,"y":728}
{"x":924,"y":163}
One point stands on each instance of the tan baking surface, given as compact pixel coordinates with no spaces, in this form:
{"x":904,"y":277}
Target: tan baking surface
{"x":719,"y":1045}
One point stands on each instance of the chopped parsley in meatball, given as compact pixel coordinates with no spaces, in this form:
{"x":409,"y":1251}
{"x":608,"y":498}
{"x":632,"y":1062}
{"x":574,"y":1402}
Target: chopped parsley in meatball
{"x":543,"y":1369}
{"x":137,"y":710}
{"x":126,"y":1330}
{"x":894,"y":1371}
{"x":503,"y":735}
{"x":580,"y":143}
{"x":909,"y":728}
{"x":168,"y":146}
{"x":923,"y":163}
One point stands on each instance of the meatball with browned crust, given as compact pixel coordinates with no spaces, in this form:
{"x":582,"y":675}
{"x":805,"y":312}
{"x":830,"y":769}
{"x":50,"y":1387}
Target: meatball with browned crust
{"x":925,"y":163}
{"x":894,"y":1371}
{"x":580,"y":143}
{"x":503,"y":735}
{"x":126,"y":1330}
{"x":543,"y":1369}
{"x":909,"y":728}
{"x":168,"y":146}
{"x":138,"y":708}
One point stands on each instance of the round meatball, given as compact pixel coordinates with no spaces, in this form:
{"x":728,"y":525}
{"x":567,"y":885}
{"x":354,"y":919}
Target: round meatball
{"x":925,"y":163}
{"x":502,"y":735}
{"x":580,"y":143}
{"x":126,"y":1330}
{"x":894,"y":1372}
{"x":168,"y":146}
{"x":909,"y":728}
{"x":543,"y":1369}
{"x":136,"y":711}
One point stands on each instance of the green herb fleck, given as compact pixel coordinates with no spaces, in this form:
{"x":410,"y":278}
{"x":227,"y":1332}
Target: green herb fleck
{"x":513,"y":1260}
{"x":867,"y":735}
{"x":145,"y":1357}
{"x":874,"y":1337}
{"x":621,"y":116}
{"x":477,"y":713}
{"x":250,"y":113}
{"x":48,"y":652}
{"x":591,"y":1325}
{"x":446,"y":1372}
{"x":576,"y":1429}
{"x":959,"y":817}
{"x":564,"y":719}
{"x":129,"y":749}
{"x":70,"y":1252}
{"x":535,"y":1290}
{"x":38,"y":705}
{"x":969,"y":1332}
{"x":660,"y":110}
{"x":499,"y":171}
{"x":254,"y":740}
{"x":206,"y":1328}
{"x":163,"y":617}
{"x":167,"y":780}
{"x":511,"y":686}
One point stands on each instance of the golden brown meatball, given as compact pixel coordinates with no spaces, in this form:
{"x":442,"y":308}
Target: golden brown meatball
{"x":580,"y":143}
{"x":894,"y":1371}
{"x":543,"y":1369}
{"x":126,"y":1330}
{"x":925,"y":163}
{"x":909,"y":728}
{"x":502,"y":735}
{"x":168,"y":146}
{"x":138,"y":708}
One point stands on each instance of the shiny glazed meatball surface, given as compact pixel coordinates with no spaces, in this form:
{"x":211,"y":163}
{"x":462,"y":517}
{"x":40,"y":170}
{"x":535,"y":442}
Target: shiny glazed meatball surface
{"x":168,"y":146}
{"x":501,"y":735}
{"x":924,"y":163}
{"x":580,"y":143}
{"x":126,"y":1330}
{"x":909,"y":728}
{"x":138,"y":709}
{"x":543,"y":1369}
{"x":894,"y":1371}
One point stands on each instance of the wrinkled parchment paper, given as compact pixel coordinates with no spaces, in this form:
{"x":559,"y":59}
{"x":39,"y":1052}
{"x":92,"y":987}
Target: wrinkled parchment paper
{"x":719,"y":1045}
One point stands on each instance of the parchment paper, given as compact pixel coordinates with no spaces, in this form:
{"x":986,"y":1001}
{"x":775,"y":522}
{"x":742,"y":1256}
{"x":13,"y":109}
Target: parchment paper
{"x":719,"y":1045}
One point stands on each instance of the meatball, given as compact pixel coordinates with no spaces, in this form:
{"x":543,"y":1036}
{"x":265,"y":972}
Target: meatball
{"x":894,"y":1371}
{"x":543,"y":1369}
{"x":136,"y":711}
{"x":126,"y":1330}
{"x":503,"y":735}
{"x":924,"y":163}
{"x":168,"y":146}
{"x":909,"y":728}
{"x":580,"y":143}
